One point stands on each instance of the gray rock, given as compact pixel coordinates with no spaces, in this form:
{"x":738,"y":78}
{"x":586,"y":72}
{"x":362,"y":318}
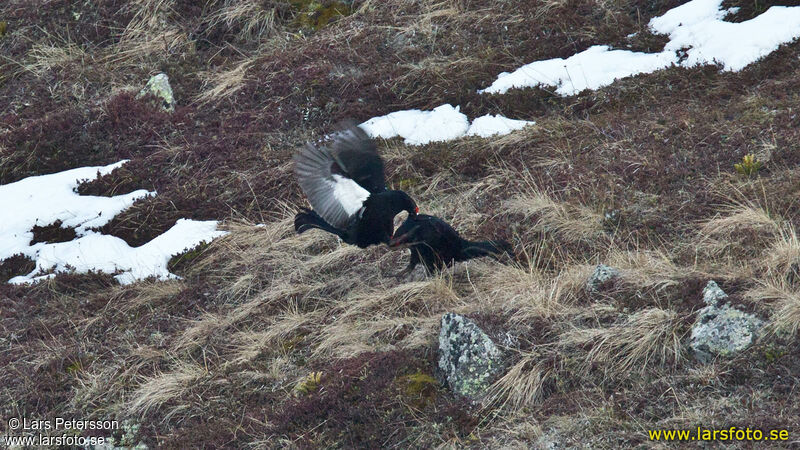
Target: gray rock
{"x":159,"y":87}
{"x":712,"y":293}
{"x":468,"y":359}
{"x":126,"y":442}
{"x":602,"y":275}
{"x":721,"y":330}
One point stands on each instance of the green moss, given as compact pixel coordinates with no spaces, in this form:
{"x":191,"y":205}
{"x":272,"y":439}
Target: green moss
{"x":772,"y":353}
{"x":292,"y":343}
{"x":420,"y":388}
{"x":3,"y":28}
{"x":308,"y":384}
{"x":78,"y":364}
{"x":313,"y":15}
{"x":408,"y":183}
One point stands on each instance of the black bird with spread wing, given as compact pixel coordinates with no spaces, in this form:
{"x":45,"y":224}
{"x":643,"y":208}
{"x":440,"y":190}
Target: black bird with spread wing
{"x":437,"y":245}
{"x":344,"y":182}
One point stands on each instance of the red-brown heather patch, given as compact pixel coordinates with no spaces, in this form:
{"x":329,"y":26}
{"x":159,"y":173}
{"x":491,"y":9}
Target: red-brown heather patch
{"x":66,"y":139}
{"x":750,"y":9}
{"x":16,"y":265}
{"x":360,"y":399}
{"x":52,"y":233}
{"x":658,"y":148}
{"x":684,"y":296}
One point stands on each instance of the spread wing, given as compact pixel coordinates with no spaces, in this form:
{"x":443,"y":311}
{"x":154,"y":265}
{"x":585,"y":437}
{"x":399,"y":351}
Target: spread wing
{"x":357,"y":158}
{"x":333,"y":195}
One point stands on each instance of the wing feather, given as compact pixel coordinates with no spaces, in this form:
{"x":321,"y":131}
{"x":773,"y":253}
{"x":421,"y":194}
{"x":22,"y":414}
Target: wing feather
{"x":336,"y":198}
{"x":357,"y":156}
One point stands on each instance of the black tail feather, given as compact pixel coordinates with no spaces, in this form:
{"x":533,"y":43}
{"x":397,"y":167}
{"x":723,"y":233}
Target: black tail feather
{"x":308,"y":219}
{"x":495,"y":249}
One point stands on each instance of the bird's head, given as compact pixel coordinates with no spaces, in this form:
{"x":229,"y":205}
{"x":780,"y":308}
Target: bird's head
{"x":403,"y":202}
{"x":404,"y":236}
{"x":408,"y":233}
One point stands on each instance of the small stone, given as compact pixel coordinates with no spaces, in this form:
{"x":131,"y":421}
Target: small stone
{"x":602,"y":275}
{"x":721,"y":330}
{"x":468,"y":359}
{"x":159,"y":87}
{"x":712,"y":293}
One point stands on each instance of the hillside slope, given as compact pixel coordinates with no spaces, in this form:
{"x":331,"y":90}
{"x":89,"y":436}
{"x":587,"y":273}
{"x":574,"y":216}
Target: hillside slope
{"x":638,"y":175}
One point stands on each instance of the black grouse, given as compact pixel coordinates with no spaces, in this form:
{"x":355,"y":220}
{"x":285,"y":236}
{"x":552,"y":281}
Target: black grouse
{"x":344,"y":182}
{"x":437,"y":245}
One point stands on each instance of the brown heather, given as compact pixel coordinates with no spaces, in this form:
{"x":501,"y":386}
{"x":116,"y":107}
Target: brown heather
{"x":214,"y":359}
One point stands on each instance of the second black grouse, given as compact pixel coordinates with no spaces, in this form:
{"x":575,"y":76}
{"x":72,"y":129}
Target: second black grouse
{"x":437,"y":245}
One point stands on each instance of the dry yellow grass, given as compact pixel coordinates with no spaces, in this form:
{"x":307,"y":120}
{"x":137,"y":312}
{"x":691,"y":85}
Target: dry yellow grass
{"x":262,"y":307}
{"x":782,"y":299}
{"x":164,"y":387}
{"x":217,"y":86}
{"x":646,"y":338}
{"x":522,"y":385}
{"x":527,"y":293}
{"x":568,"y":221}
{"x":784,"y":254}
{"x":152,"y":31}
{"x":739,"y":226}
{"x":642,"y":268}
{"x":45,"y":58}
{"x":738,"y":217}
{"x":256,"y":19}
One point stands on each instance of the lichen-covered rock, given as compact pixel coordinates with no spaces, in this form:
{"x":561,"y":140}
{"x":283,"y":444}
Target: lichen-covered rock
{"x":602,"y":275}
{"x":158,"y":86}
{"x":468,"y":359}
{"x":712,"y":293}
{"x":127,"y":441}
{"x":721,"y":330}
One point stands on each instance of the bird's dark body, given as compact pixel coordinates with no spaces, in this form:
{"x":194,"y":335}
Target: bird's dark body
{"x":436,"y":245}
{"x":374,"y":226}
{"x":332,"y":173}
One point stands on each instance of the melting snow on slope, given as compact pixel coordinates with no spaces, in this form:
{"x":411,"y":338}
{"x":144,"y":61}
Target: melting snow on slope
{"x":46,"y":199}
{"x":443,"y":123}
{"x":697,"y":26}
{"x":419,"y":127}
{"x":594,"y":67}
{"x":490,"y":125}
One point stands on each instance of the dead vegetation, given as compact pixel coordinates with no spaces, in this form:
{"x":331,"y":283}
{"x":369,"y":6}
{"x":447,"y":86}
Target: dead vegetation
{"x":639,"y":175}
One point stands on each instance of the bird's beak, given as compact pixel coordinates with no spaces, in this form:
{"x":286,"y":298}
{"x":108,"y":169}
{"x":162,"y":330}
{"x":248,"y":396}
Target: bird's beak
{"x":395,"y":242}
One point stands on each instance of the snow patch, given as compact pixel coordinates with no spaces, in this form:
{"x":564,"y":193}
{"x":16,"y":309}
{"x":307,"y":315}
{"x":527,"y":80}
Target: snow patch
{"x":592,"y":68}
{"x":418,"y":127}
{"x":490,"y":125}
{"x":711,"y":40}
{"x":697,"y":27}
{"x":443,"y":123}
{"x":45,"y":199}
